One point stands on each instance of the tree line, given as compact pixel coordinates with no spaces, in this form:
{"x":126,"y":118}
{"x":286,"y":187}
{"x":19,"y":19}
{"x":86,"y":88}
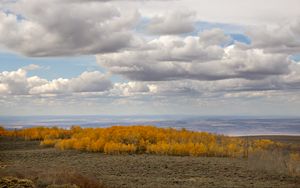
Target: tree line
{"x":143,"y":139}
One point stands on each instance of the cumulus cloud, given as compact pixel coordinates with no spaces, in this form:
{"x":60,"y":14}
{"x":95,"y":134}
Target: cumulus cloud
{"x":18,"y":83}
{"x":65,"y":28}
{"x":134,"y":88}
{"x":172,"y":23}
{"x":197,"y":58}
{"x":281,"y":38}
{"x":86,"y":82}
{"x":92,"y":91}
{"x":220,"y":88}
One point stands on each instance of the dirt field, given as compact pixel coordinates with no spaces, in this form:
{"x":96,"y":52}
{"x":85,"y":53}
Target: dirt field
{"x":27,"y":157}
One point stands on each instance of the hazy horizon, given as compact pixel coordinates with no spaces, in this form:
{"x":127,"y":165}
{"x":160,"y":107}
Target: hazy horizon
{"x":228,"y":125}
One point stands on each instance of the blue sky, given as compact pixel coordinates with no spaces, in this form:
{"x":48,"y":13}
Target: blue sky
{"x":52,"y":67}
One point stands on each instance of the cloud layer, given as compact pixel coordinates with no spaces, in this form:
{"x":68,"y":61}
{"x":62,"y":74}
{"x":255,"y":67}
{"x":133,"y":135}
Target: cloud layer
{"x":152,"y":55}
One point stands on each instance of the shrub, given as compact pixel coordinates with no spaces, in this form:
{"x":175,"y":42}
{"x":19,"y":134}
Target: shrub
{"x":119,"y":148}
{"x":294,"y":164}
{"x":275,"y":161}
{"x":49,"y":142}
{"x":13,"y":182}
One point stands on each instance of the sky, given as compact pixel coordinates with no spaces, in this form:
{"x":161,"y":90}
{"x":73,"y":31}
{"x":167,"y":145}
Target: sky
{"x":150,"y":57}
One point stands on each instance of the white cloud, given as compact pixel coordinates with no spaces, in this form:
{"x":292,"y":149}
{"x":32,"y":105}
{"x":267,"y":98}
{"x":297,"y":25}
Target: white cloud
{"x":31,"y":67}
{"x":213,"y":37}
{"x":91,"y":91}
{"x":18,"y":83}
{"x":173,"y":23}
{"x":86,"y":82}
{"x":281,"y":38}
{"x":254,"y":12}
{"x":198,"y":58}
{"x":3,"y":88}
{"x":14,"y":82}
{"x":133,"y":88}
{"x":65,"y":28}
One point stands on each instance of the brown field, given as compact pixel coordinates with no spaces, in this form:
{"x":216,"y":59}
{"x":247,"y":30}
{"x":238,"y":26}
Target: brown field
{"x":44,"y":166}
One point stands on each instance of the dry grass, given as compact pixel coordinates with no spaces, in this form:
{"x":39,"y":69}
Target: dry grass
{"x":13,"y":182}
{"x":64,"y":178}
{"x":75,"y":178}
{"x":63,"y":186}
{"x":276,"y":161}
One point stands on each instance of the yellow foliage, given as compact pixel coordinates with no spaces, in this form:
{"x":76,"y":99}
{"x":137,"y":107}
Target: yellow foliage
{"x":118,"y":148}
{"x":2,"y":131}
{"x":49,"y":142}
{"x":39,"y":133}
{"x":142,"y":139}
{"x":65,"y":144}
{"x":97,"y":146}
{"x":199,"y":149}
{"x":263,"y":144}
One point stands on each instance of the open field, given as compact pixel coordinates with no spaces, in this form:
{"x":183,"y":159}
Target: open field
{"x":20,"y":157}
